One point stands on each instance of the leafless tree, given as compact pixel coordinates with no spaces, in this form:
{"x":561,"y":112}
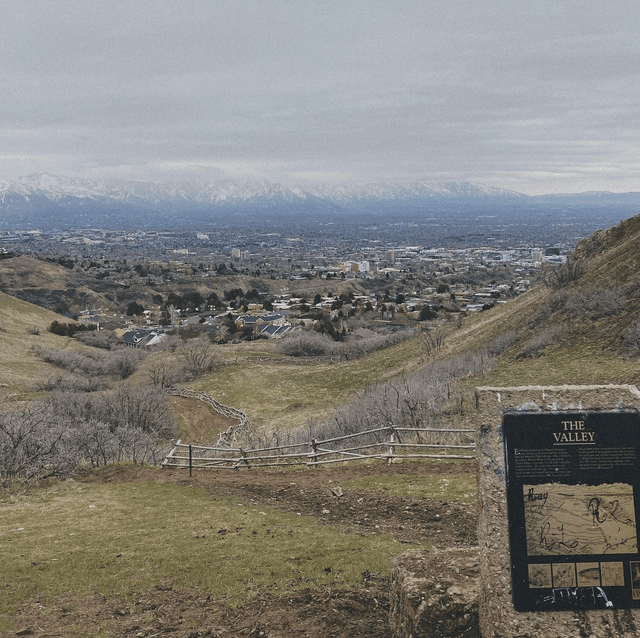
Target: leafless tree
{"x":139,"y":407}
{"x":162,"y":372}
{"x":32,"y":442}
{"x":571,"y":270}
{"x":199,"y":355}
{"x":433,"y":341}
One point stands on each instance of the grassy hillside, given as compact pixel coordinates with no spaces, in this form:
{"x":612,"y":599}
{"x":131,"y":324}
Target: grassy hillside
{"x":611,"y":257}
{"x":20,"y":369}
{"x":27,"y":272}
{"x":575,"y":330}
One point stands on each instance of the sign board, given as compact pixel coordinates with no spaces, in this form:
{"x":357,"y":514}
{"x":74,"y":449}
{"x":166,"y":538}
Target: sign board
{"x":573,"y":503}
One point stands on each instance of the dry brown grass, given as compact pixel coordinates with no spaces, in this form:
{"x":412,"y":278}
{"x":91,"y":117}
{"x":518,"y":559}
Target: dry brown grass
{"x":27,"y":272}
{"x":20,"y":368}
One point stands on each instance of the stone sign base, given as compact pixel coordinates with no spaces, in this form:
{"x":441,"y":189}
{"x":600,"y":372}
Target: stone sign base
{"x":497,"y":615}
{"x":434,"y":593}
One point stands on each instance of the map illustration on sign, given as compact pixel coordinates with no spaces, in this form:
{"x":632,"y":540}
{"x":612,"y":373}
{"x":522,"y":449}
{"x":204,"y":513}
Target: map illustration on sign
{"x":579,"y":519}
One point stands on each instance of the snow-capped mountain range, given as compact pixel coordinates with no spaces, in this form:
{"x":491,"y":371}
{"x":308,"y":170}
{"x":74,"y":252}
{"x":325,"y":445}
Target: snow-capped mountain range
{"x":55,"y":188}
{"x":44,"y":199}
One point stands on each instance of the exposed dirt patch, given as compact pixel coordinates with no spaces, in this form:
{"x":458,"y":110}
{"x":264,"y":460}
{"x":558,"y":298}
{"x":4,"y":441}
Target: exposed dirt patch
{"x":183,"y":613}
{"x":315,"y":613}
{"x":310,"y":492}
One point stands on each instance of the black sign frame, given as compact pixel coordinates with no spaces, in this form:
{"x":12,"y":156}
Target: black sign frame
{"x":573,"y":503}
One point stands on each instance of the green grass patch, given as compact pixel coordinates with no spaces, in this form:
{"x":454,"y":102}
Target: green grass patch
{"x":284,"y":395}
{"x":117,"y":539}
{"x":588,"y":364}
{"x":460,"y":488}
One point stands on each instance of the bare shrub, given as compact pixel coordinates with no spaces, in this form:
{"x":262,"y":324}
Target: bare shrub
{"x":71,"y":383}
{"x":105,"y":339}
{"x":121,"y":362}
{"x":140,"y":407}
{"x":99,"y":443}
{"x":33,"y":443}
{"x":80,"y":363}
{"x":380,"y":341}
{"x":501,"y":343}
{"x":595,"y":303}
{"x":163,"y":373}
{"x":534,"y":347}
{"x":96,"y":442}
{"x":136,"y":406}
{"x":433,"y":341}
{"x":199,"y":355}
{"x":70,"y":428}
{"x":74,"y":406}
{"x":302,"y":343}
{"x":34,"y":330}
{"x":563,"y":275}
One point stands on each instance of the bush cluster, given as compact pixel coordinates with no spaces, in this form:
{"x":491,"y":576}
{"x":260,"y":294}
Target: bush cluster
{"x":588,"y":302}
{"x":120,"y":362}
{"x":595,"y":303}
{"x":105,"y":339}
{"x":305,"y":343}
{"x":57,"y":435}
{"x":68,"y":329}
{"x":534,"y":347}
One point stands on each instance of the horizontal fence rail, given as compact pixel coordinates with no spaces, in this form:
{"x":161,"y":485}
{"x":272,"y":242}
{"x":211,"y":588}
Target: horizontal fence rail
{"x":386,"y":443}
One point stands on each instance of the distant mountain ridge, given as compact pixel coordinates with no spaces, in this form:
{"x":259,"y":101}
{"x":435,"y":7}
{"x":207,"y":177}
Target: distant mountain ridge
{"x":45,"y":199}
{"x":55,"y":187}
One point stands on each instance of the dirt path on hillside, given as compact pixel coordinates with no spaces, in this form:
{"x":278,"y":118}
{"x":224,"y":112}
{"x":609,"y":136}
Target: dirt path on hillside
{"x":316,"y":613}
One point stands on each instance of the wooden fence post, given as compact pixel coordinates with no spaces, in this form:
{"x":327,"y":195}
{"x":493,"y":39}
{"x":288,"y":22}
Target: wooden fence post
{"x":244,"y":458}
{"x":314,"y":453}
{"x":190,"y":461}
{"x":392,"y":448}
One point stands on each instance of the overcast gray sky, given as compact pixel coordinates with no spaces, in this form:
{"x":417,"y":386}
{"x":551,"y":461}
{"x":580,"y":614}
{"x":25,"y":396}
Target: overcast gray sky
{"x":537,"y":96}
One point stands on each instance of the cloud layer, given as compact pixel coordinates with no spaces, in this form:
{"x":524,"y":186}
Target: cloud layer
{"x":538,"y":97}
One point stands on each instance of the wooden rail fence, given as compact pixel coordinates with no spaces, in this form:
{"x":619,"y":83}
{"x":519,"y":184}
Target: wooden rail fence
{"x":233,"y":431}
{"x":386,"y":443}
